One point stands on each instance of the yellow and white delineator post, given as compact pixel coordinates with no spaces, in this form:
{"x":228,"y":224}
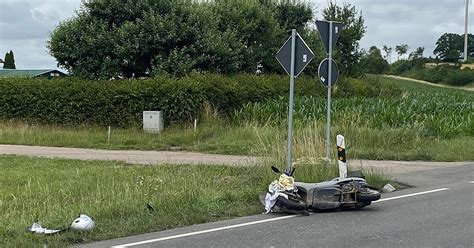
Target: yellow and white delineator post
{"x":341,"y":156}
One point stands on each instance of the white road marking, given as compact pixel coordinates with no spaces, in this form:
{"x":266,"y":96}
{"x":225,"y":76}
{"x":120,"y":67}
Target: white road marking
{"x":203,"y":231}
{"x":471,"y":182}
{"x":409,"y":195}
{"x":254,"y":222}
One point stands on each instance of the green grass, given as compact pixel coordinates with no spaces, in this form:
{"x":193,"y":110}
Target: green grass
{"x":212,"y":138}
{"x":54,"y":192}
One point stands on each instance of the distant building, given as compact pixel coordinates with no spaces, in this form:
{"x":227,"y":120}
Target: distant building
{"x":45,"y":73}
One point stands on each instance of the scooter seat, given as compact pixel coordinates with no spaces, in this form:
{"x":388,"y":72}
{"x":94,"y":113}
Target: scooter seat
{"x":305,"y":186}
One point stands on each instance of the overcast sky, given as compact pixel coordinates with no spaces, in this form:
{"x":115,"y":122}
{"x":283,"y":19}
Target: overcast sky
{"x":25,"y":25}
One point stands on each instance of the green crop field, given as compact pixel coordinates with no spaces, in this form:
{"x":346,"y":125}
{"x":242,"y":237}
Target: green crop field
{"x":423,"y":123}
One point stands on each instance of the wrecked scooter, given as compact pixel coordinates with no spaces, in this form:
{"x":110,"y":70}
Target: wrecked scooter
{"x":342,"y":193}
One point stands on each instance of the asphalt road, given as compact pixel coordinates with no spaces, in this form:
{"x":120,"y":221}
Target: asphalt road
{"x":439,"y":212}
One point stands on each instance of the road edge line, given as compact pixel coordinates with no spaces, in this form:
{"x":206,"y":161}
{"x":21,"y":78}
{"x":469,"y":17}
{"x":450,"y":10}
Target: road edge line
{"x":203,"y":231}
{"x":254,"y":222}
{"x":409,"y":195}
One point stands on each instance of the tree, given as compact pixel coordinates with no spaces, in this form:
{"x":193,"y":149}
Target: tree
{"x":417,"y":54}
{"x":450,"y":47}
{"x":261,"y":27}
{"x":133,"y":38}
{"x":291,"y":14}
{"x":347,"y":52}
{"x":373,"y":62}
{"x":9,"y":61}
{"x":388,"y":53}
{"x":401,"y":49}
{"x":416,"y":58}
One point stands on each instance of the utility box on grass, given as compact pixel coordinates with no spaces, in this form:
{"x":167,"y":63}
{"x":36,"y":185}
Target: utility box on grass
{"x":152,"y":121}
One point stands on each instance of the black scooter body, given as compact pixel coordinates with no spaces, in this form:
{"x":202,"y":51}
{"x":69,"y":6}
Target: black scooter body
{"x":335,"y":194}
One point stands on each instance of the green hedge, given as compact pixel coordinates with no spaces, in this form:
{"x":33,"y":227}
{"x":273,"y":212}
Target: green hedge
{"x":121,"y":102}
{"x":442,"y":74}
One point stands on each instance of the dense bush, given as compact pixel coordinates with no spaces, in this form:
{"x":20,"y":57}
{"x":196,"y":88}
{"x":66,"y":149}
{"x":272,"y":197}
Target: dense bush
{"x":132,"y":38}
{"x":400,"y":66}
{"x":451,"y":75}
{"x":373,"y":62}
{"x":120,"y":103}
{"x":441,"y":74}
{"x":365,"y":87}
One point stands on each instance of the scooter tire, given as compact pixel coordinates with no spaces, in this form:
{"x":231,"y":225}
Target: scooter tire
{"x":368,"y":197}
{"x":289,"y":204}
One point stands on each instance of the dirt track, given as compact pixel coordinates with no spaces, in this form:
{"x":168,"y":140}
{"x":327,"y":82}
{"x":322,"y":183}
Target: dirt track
{"x":171,"y":157}
{"x":128,"y":156}
{"x":428,"y":83}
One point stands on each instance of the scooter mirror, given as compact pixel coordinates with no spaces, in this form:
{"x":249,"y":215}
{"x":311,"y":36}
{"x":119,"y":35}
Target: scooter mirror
{"x":292,"y":171}
{"x":275,"y":169}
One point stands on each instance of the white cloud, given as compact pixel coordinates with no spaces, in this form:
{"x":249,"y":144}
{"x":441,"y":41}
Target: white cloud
{"x":416,"y":23}
{"x":25,"y":25}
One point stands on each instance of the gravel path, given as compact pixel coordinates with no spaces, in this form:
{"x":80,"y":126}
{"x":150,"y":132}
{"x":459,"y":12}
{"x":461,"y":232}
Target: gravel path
{"x":128,"y":156}
{"x":172,"y":157}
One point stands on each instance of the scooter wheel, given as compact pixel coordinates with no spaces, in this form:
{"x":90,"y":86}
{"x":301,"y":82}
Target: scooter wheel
{"x":372,"y":195}
{"x":289,"y":204}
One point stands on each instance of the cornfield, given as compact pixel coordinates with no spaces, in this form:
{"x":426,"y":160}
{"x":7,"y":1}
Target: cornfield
{"x":435,"y":114}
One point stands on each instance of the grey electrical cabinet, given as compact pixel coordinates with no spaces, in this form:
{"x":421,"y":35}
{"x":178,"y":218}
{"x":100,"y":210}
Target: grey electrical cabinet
{"x":153,"y":121}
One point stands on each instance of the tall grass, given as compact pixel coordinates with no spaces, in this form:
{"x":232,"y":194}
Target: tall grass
{"x":307,"y":154}
{"x":211,"y":136}
{"x":438,"y":115}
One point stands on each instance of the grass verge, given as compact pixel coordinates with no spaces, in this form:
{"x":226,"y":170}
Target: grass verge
{"x":212,"y":138}
{"x":54,"y":191}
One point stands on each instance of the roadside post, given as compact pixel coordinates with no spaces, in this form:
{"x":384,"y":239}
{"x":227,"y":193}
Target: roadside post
{"x":341,"y":156}
{"x":293,"y":56}
{"x":328,"y":72}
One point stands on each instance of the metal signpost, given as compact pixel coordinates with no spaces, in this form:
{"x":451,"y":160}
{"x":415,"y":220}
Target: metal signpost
{"x":329,"y":32}
{"x":293,"y":56}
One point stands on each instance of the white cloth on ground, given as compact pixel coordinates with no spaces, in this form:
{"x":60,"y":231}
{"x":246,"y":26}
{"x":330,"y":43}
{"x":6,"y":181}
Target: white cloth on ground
{"x":274,"y":190}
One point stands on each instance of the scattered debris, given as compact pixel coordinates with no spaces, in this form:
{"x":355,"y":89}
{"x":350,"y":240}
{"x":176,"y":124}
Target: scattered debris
{"x":388,"y":188}
{"x":150,"y":207}
{"x":37,"y":228}
{"x":80,"y":224}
